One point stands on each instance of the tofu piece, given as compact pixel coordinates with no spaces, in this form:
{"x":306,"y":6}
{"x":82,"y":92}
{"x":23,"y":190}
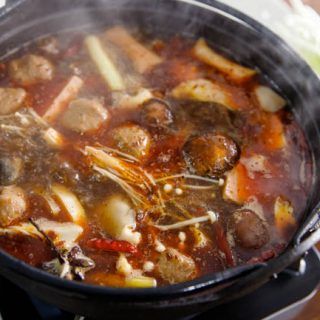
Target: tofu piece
{"x":12,"y":205}
{"x":11,"y":99}
{"x":84,"y":115}
{"x":176,"y":267}
{"x":30,"y":69}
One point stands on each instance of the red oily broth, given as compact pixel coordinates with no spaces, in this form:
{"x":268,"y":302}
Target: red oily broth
{"x":136,"y":162}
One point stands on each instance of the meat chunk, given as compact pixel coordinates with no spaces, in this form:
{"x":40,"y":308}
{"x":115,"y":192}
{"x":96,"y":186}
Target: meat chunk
{"x":10,"y":170}
{"x":11,"y":99}
{"x":83,"y":115}
{"x":248,"y":229}
{"x":156,"y":112}
{"x":175,"y":267}
{"x":30,"y":69}
{"x":211,"y":154}
{"x":12,"y":205}
{"x":132,"y":139}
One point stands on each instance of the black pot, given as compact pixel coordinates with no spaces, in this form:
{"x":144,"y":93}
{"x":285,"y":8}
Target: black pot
{"x":239,"y":37}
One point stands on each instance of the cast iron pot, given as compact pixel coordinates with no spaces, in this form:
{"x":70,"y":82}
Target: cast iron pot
{"x":240,"y":38}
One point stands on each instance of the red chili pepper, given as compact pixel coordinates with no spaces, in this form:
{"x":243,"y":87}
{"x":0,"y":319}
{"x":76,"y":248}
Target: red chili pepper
{"x":223,"y":243}
{"x":112,"y":245}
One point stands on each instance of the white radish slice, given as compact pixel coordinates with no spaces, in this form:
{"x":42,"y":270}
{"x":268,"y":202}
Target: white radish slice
{"x":70,"y":202}
{"x":268,"y":99}
{"x":119,"y":219}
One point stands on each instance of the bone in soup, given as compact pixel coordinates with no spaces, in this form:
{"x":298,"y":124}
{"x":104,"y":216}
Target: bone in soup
{"x":131,"y":161}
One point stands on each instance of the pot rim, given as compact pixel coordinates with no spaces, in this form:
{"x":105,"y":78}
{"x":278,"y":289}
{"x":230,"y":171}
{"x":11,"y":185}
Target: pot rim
{"x":201,"y":283}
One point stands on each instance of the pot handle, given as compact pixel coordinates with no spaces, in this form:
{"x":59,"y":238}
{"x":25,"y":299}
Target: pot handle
{"x":257,"y":278}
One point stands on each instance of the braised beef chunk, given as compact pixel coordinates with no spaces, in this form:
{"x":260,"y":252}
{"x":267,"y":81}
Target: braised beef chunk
{"x":128,"y":160}
{"x":83,"y":115}
{"x":11,"y":99}
{"x":30,"y":69}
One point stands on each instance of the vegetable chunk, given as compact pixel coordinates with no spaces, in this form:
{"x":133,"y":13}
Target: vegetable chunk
{"x":68,"y":93}
{"x":70,"y":202}
{"x":12,"y":205}
{"x":269,"y":100}
{"x":11,"y":99}
{"x":30,"y":69}
{"x":104,"y":64}
{"x":142,"y":58}
{"x":83,"y":115}
{"x":233,"y":70}
{"x":283,"y":214}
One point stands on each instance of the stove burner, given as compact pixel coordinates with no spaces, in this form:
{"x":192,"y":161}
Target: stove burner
{"x":281,"y":298}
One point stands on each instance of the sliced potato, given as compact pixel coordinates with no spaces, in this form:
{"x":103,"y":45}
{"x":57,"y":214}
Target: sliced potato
{"x":119,"y":219}
{"x":233,"y":70}
{"x":268,"y":99}
{"x":61,"y":233}
{"x":142,"y":58}
{"x":205,"y":91}
{"x":70,"y":202}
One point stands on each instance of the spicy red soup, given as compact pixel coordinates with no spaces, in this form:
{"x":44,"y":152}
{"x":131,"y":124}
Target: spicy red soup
{"x":136,"y":162}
